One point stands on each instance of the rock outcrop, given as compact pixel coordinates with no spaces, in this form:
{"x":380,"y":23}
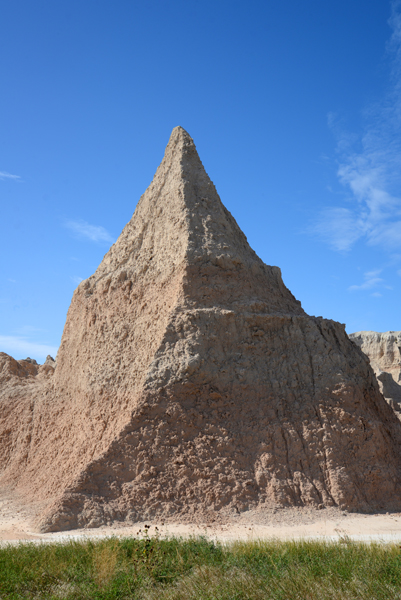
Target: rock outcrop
{"x":190,"y":381}
{"x":384,"y":353}
{"x":50,"y":361}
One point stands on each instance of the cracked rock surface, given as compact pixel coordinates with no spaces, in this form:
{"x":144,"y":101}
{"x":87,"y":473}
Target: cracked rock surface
{"x":190,"y":382}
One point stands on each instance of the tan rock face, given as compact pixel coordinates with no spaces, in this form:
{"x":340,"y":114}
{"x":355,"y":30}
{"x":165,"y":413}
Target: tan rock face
{"x":21,"y":384}
{"x":190,"y":381}
{"x":384,"y":353}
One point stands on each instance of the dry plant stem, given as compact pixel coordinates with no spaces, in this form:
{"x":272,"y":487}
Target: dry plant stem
{"x":199,"y":570}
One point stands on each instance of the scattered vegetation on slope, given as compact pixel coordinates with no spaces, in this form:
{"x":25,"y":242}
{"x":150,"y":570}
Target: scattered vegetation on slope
{"x":178,"y":569}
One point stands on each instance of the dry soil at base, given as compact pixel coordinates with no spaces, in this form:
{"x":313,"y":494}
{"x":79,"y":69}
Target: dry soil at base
{"x":16,"y":524}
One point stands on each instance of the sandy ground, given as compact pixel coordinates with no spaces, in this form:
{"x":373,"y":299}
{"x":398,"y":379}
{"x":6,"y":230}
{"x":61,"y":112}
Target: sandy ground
{"x":16,"y":524}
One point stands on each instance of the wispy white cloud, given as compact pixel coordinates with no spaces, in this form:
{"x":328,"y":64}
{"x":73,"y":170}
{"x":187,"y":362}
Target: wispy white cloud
{"x":372,"y":175}
{"x":338,"y":227}
{"x":95,"y":233}
{"x":377,"y":295}
{"x":372,"y":280}
{"x":19,"y":347}
{"x":76,"y":280}
{"x":5,"y":175}
{"x":27,"y":330}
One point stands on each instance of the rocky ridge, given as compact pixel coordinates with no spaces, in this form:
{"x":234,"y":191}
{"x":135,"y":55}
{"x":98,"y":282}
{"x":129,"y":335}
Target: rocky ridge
{"x":190,"y":382}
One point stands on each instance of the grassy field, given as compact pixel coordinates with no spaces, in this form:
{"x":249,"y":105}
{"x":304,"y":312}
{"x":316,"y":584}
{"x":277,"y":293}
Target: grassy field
{"x":156,"y":569}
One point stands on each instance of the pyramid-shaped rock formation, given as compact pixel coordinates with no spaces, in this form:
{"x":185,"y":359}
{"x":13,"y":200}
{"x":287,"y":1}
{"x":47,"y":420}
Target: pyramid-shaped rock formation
{"x":190,"y":381}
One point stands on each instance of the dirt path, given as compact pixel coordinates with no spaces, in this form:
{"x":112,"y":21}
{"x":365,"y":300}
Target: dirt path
{"x":16,"y":524}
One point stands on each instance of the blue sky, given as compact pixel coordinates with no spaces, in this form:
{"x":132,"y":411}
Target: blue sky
{"x":295,"y":109}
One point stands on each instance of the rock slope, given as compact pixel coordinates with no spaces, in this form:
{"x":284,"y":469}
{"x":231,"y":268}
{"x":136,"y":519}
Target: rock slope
{"x":190,"y":382}
{"x":384,"y":353}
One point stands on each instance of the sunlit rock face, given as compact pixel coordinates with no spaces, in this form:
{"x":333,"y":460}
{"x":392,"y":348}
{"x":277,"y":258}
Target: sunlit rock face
{"x":190,"y":382}
{"x":384,"y":353}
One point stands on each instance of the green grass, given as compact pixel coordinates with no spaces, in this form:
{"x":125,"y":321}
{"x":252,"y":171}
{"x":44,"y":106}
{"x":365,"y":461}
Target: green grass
{"x":175,"y":569}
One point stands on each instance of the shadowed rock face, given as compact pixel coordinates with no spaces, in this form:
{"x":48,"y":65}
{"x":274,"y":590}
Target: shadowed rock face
{"x":189,"y":380}
{"x":384,"y":353}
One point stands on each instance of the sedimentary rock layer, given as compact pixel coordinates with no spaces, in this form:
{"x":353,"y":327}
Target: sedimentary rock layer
{"x":384,"y":353}
{"x":190,"y":381}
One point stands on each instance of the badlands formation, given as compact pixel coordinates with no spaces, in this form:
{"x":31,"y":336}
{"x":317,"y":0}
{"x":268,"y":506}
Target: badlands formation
{"x":190,"y":383}
{"x":384,"y":353}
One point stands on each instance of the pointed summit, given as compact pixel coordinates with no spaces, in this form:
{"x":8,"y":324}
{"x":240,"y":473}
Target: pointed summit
{"x":189,"y":381}
{"x":181,"y":223}
{"x":181,"y":149}
{"x":181,"y":142}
